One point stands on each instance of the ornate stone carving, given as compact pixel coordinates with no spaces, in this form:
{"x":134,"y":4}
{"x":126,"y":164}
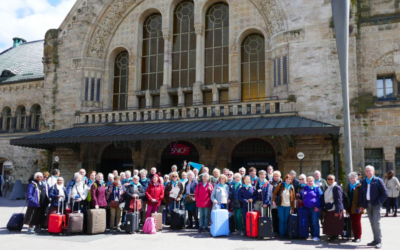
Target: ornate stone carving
{"x":386,"y":60}
{"x":87,"y":62}
{"x":289,"y":36}
{"x":272,"y":14}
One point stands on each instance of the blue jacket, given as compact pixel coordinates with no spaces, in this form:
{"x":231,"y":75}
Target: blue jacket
{"x":70,"y":185}
{"x":245,"y":194}
{"x":267,"y":195}
{"x":311,"y":196}
{"x":234,"y":193}
{"x":53,"y":194}
{"x":260,"y":190}
{"x":33,"y":195}
{"x":144,"y":184}
{"x":337,"y":199}
{"x":378,"y":193}
{"x":193,"y":186}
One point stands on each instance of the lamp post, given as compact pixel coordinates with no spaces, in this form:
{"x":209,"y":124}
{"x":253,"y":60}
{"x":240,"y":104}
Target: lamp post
{"x":300,"y":156}
{"x":341,"y":12}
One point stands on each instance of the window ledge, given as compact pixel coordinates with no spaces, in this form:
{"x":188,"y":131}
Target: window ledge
{"x":387,"y":101}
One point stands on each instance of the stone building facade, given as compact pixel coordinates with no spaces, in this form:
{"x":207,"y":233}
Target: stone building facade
{"x":132,"y":62}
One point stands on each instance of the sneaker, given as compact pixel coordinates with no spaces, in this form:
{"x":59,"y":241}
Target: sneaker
{"x":372,"y":244}
{"x":30,"y":231}
{"x":118,"y":229}
{"x":242,"y":233}
{"x":378,"y":246}
{"x":236,"y":232}
{"x":316,"y":239}
{"x":357,"y":240}
{"x":200,"y":229}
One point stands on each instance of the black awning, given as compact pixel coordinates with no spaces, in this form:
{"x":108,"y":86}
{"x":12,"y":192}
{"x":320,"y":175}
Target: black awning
{"x":248,"y":127}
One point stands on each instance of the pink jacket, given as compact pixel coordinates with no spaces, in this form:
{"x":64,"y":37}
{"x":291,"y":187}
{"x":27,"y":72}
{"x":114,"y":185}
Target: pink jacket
{"x":203,"y":195}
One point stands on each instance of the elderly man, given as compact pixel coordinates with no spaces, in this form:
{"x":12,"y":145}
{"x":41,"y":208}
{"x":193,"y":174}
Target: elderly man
{"x":295,"y":182}
{"x":320,"y":182}
{"x":115,"y":173}
{"x":242,"y":171}
{"x":153,"y":171}
{"x":230,"y":178}
{"x":82,"y":172}
{"x":372,"y":194}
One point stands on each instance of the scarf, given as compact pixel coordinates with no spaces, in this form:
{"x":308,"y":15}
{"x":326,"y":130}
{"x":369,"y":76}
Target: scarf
{"x":237,"y":184}
{"x":174,"y":183}
{"x":184,"y":180}
{"x":247,"y":186}
{"x":224,"y":186}
{"x":108,"y":183}
{"x":204,"y":184}
{"x":60,"y":189}
{"x":328,"y":196}
{"x":369,"y":181}
{"x":261,"y":184}
{"x":253,"y":179}
{"x":352,"y":187}
{"x":302,"y":185}
{"x":136,"y":185}
{"x":145,"y":179}
{"x":90,"y":182}
{"x":318,"y":180}
{"x":287,"y":186}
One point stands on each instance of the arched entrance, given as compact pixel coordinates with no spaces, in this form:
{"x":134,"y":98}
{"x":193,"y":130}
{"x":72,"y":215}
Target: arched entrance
{"x":116,"y":156}
{"x":253,"y":153}
{"x":176,"y":153}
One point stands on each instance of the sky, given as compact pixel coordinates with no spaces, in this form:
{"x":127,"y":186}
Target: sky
{"x":30,"y":19}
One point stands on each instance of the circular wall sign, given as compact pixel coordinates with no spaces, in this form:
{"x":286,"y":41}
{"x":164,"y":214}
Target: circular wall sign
{"x":300,"y":155}
{"x":56,"y":159}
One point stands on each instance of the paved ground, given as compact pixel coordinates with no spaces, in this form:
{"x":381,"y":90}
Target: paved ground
{"x":185,"y":239}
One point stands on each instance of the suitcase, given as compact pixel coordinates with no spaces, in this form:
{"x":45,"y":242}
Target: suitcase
{"x":232,"y":225}
{"x":275,"y":220}
{"x":293,"y":226}
{"x":158,"y":219}
{"x":252,"y":222}
{"x":75,"y":221}
{"x":347,"y":230}
{"x":96,"y":221}
{"x":265,"y":225}
{"x":16,"y":222}
{"x":57,"y":221}
{"x":68,"y":211}
{"x":302,"y":215}
{"x":178,"y":218}
{"x":166,"y":217}
{"x":132,"y":221}
{"x":219,"y":222}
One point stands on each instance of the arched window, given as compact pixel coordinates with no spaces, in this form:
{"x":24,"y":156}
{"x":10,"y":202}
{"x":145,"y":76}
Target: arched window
{"x":184,"y":46}
{"x":36,"y":114}
{"x":253,"y":68}
{"x":217,"y":44}
{"x":21,"y":113}
{"x":121,"y":75}
{"x":152,"y":53}
{"x":7,"y":119}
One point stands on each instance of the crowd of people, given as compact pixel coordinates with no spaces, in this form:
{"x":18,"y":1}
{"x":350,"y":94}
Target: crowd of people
{"x":325,"y":201}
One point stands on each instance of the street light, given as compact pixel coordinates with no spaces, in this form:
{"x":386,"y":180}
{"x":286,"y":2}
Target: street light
{"x":300,"y":156}
{"x":341,"y":12}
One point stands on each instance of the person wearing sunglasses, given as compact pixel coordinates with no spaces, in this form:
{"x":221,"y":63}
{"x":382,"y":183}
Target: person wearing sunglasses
{"x":303,"y":183}
{"x":230,"y":178}
{"x":174,"y":182}
{"x":332,"y":202}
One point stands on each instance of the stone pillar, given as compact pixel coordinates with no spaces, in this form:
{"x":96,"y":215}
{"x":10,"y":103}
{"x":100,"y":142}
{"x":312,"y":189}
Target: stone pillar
{"x":215,"y":93}
{"x":167,"y":57}
{"x":197,"y":94}
{"x":149,"y":99}
{"x":164,"y":96}
{"x":181,"y":98}
{"x":14,"y":121}
{"x":389,"y":154}
{"x":199,"y":29}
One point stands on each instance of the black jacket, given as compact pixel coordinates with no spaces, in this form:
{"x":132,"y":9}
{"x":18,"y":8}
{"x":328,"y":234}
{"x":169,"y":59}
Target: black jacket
{"x":378,"y":193}
{"x":129,"y":192}
{"x":296,"y":185}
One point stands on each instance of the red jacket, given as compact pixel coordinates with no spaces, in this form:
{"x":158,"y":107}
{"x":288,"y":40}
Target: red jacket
{"x":155,"y":192}
{"x":203,"y":195}
{"x":98,"y":195}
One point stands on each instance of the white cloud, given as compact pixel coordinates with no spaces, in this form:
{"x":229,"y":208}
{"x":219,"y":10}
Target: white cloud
{"x":30,"y":19}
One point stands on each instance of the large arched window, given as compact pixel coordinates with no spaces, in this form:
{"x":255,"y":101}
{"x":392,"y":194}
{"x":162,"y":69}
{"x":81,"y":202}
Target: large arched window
{"x":7,"y":118}
{"x":121,"y":75}
{"x":152,"y":53}
{"x":253,"y":68}
{"x":36,"y":114}
{"x":184,"y":46}
{"x":217,"y":44}
{"x":21,"y":114}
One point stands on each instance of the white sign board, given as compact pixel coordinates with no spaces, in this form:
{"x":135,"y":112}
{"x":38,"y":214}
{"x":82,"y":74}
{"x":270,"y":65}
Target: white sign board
{"x":300,"y":155}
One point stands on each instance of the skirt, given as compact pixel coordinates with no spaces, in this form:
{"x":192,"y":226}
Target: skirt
{"x":35,"y":216}
{"x":333,"y":226}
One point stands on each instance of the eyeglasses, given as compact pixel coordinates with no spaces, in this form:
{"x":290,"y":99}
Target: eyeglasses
{"x":330,"y":179}
{"x":230,"y":174}
{"x":301,"y":179}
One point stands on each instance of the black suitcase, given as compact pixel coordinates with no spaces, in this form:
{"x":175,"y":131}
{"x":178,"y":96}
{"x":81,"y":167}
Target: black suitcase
{"x":166,"y":219}
{"x":265,"y":225}
{"x":16,"y":222}
{"x":275,"y":220}
{"x":178,"y":217}
{"x":293,"y":226}
{"x":347,"y":230}
{"x":232,"y":226}
{"x":132,"y":221}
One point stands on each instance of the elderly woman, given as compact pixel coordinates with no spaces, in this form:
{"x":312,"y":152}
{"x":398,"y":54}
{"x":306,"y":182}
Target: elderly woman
{"x":311,"y":197}
{"x":174,"y":168}
{"x":319,"y":181}
{"x":353,"y":191}
{"x":332,"y":201}
{"x":115,"y":194}
{"x":260,"y":184}
{"x":110,"y":180}
{"x":122,"y":176}
{"x":154,"y":195}
{"x":220,"y":194}
{"x":215,"y":177}
{"x":153,"y":171}
{"x":230,"y":178}
{"x":196,"y":173}
{"x":303,"y":183}
{"x":98,"y":192}
{"x":284,"y":197}
{"x":133,"y":191}
{"x":189,"y":199}
{"x":77,"y":194}
{"x":203,"y":201}
{"x":184,"y":178}
{"x":253,"y":175}
{"x":242,"y":172}
{"x":276,"y":180}
{"x":128,"y":178}
{"x":57,"y":194}
{"x":174,"y":182}
{"x":393,"y":187}
{"x":46,"y":175}
{"x":235,"y":202}
{"x":166,"y":180}
{"x":37,"y":203}
{"x":92,"y":178}
{"x":145,"y":183}
{"x":247,"y":196}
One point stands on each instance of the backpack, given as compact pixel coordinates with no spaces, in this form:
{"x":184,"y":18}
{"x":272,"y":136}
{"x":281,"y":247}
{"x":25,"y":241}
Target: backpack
{"x":89,"y":197}
{"x":346,"y":200}
{"x":149,"y":226}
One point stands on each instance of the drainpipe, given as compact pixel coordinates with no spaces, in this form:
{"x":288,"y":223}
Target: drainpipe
{"x":336,"y":143}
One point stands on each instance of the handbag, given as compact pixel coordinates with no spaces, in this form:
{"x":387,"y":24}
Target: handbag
{"x":236,"y":204}
{"x":189,"y":198}
{"x":114,"y":204}
{"x":135,"y":202}
{"x":278,"y":196}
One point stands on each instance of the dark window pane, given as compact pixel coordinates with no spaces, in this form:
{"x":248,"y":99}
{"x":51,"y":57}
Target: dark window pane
{"x":142,"y":102}
{"x":188,"y":99}
{"x":209,"y":24}
{"x":207,"y":97}
{"x":253,"y":56}
{"x":144,"y":64}
{"x":208,"y":76}
{"x":184,"y":78}
{"x":98,"y":90}
{"x":153,"y":46}
{"x":177,"y":25}
{"x":217,"y":37}
{"x":192,"y":59}
{"x":192,"y":41}
{"x":86,"y":89}
{"x":116,"y":85}
{"x":156,"y":101}
{"x":144,"y":82}
{"x":217,"y":56}
{"x":176,"y":43}
{"x":122,"y":102}
{"x":160,"y":66}
{"x":254,"y":71}
{"x":209,"y":57}
{"x":115,"y":102}
{"x":160,"y":45}
{"x":262,"y":71}
{"x":153,"y":63}
{"x":192,"y":77}
{"x":218,"y":74}
{"x":175,"y":79}
{"x":261,"y":87}
{"x":123,"y":85}
{"x":223,"y":96}
{"x":160,"y":79}
{"x":184,"y":60}
{"x":153,"y":81}
{"x":225,"y":51}
{"x":185,"y":42}
{"x":245,"y":72}
{"x":245,"y":91}
{"x":209,"y":39}
{"x":175,"y":61}
{"x":226,"y":74}
{"x":124,"y":72}
{"x":145,"y":48}
{"x":244,"y":56}
{"x":225,"y":34}
{"x":185,"y":26}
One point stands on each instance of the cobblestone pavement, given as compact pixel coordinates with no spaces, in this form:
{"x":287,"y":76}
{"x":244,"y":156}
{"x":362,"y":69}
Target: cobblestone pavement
{"x":185,"y":239}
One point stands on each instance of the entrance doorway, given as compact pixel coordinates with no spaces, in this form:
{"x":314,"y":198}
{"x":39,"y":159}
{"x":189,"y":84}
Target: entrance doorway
{"x":116,"y":156}
{"x":253,"y":153}
{"x":175,"y":153}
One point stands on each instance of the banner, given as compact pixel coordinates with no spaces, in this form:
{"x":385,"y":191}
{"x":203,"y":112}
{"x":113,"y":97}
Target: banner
{"x":179,"y":149}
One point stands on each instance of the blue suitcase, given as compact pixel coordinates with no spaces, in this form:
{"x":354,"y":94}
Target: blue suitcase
{"x":16,"y":222}
{"x":302,"y":214}
{"x":219,"y":223}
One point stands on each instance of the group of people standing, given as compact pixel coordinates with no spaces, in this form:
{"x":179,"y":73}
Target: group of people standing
{"x":325,"y":201}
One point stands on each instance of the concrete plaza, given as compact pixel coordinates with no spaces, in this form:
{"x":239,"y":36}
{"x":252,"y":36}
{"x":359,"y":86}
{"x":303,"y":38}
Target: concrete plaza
{"x":185,"y":239}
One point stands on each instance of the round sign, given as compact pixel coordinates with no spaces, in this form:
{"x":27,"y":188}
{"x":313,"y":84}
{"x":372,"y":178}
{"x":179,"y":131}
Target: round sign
{"x":300,"y":155}
{"x":56,"y":159}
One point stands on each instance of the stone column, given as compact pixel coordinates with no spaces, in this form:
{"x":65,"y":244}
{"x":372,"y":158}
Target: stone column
{"x":1,"y":121}
{"x":389,"y":154}
{"x":14,"y":121}
{"x":167,"y":57}
{"x":199,"y":29}
{"x":28,"y":121}
{"x":235,"y":88}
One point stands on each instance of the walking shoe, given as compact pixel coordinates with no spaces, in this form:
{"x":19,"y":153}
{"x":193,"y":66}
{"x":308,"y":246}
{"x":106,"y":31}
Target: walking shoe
{"x":356,"y":240}
{"x":395,"y":215}
{"x":30,"y":231}
{"x":242,"y":233}
{"x":372,"y":244}
{"x":118,"y":229}
{"x":236,"y":232}
{"x":316,"y":239}
{"x":200,"y":229}
{"x":378,"y":246}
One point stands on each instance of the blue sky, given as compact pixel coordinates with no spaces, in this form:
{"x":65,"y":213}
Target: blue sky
{"x":30,"y":19}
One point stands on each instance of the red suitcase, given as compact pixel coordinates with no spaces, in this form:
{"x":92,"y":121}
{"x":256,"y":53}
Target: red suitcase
{"x":57,"y":221}
{"x":252,"y":222}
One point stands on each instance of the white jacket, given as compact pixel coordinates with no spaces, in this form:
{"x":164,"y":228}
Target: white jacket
{"x":393,"y":187}
{"x":51,"y":181}
{"x":80,"y":188}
